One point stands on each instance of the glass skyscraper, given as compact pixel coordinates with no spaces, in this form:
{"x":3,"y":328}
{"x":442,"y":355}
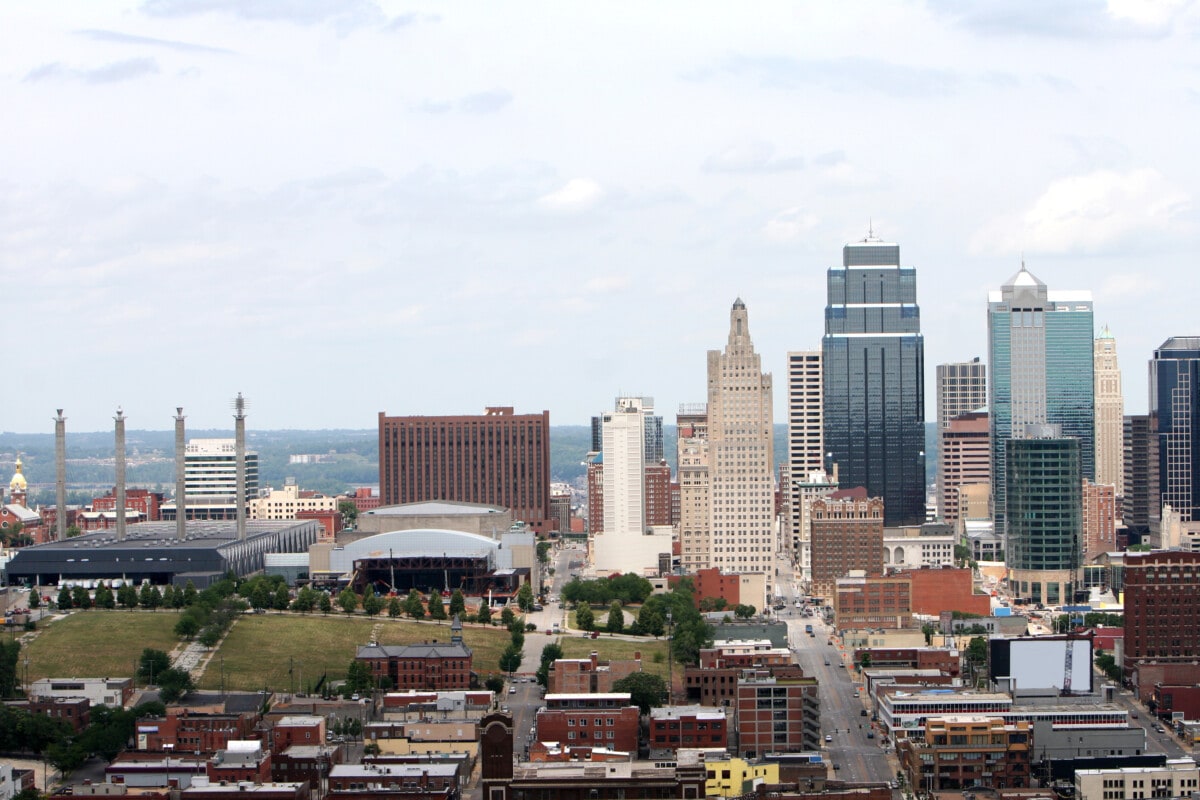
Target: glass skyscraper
{"x":873,"y":365}
{"x":1040,"y":345}
{"x":1175,"y":401}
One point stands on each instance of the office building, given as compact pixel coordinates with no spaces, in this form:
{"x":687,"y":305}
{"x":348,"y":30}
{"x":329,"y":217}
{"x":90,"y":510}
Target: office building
{"x":1175,"y":403}
{"x":1040,"y":349}
{"x":210,"y":480}
{"x":1141,"y":506}
{"x":499,"y":458}
{"x":873,"y":361}
{"x":1178,"y":777}
{"x":695,"y":493}
{"x":1110,"y":413}
{"x":1099,"y":519}
{"x":1044,"y":508}
{"x":777,"y":715}
{"x":1162,"y":618}
{"x":961,"y":389}
{"x":806,"y":434}
{"x":964,"y":459}
{"x":962,"y":751}
{"x":847,"y":534}
{"x":741,"y":453}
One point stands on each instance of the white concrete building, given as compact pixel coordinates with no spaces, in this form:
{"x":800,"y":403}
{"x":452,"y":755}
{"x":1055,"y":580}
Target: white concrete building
{"x":112,"y":692}
{"x":806,"y":439}
{"x":286,"y":502}
{"x":210,"y":480}
{"x":1179,"y":777}
{"x":929,"y":545}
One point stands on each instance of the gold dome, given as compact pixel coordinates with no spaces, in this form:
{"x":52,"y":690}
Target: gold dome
{"x":17,"y":484}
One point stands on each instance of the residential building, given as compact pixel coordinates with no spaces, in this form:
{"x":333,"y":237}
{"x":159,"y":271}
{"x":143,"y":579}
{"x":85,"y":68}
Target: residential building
{"x":1099,"y":519}
{"x":1175,"y":403}
{"x":1044,"y":509}
{"x":873,"y":363}
{"x":498,"y":458}
{"x":601,"y":720}
{"x":963,"y":751}
{"x":75,"y":711}
{"x":1179,"y":777}
{"x":210,"y":480}
{"x":1040,"y":352}
{"x":430,"y":667}
{"x":1110,"y":413}
{"x":741,"y":453}
{"x":847,"y":533}
{"x":1162,"y":618}
{"x":777,"y":715}
{"x":961,"y":390}
{"x":589,"y":675}
{"x":1141,"y":505}
{"x":695,"y":491}
{"x":676,"y":727}
{"x":806,"y":434}
{"x":964,"y":459}
{"x":288,"y":502}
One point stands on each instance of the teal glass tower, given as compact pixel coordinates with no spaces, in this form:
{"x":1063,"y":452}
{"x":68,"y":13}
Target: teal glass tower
{"x":1040,"y":346}
{"x":873,"y":367}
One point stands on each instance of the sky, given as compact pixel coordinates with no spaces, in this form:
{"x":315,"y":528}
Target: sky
{"x":342,"y":207}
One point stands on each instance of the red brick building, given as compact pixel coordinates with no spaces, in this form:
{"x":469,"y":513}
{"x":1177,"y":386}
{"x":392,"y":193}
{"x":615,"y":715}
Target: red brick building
{"x":331,"y":521}
{"x":777,"y":715}
{"x":961,"y":752}
{"x":874,"y":602}
{"x":297,"y":730}
{"x":1162,"y":619}
{"x":690,"y":727}
{"x":499,"y":458}
{"x":143,"y":501}
{"x":187,"y":732}
{"x":380,"y":781}
{"x":365,"y":499}
{"x":944,"y":660}
{"x":714,"y":682}
{"x":946,"y":589}
{"x":847,"y":534}
{"x":430,"y":667}
{"x":308,"y":763}
{"x":241,"y":761}
{"x":712,"y":583}
{"x":600,"y":720}
{"x":589,"y":675}
{"x":1099,"y":519}
{"x":77,"y":711}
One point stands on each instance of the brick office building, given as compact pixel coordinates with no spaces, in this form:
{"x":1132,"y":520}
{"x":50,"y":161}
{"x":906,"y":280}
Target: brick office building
{"x":946,"y":589}
{"x":599,"y":720}
{"x":877,"y":602}
{"x":1162,"y":619}
{"x":690,"y":727}
{"x":963,"y":751}
{"x":431,"y":667}
{"x":499,"y":458}
{"x":187,"y":732}
{"x":589,"y":675}
{"x":847,"y":534}
{"x":380,"y":780}
{"x":777,"y":715}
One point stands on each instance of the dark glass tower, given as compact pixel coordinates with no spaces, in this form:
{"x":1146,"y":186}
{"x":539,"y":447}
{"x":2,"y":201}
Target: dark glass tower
{"x":1175,"y":401}
{"x":873,"y":358}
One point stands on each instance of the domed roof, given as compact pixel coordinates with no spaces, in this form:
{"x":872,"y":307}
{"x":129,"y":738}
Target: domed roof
{"x":17,"y":484}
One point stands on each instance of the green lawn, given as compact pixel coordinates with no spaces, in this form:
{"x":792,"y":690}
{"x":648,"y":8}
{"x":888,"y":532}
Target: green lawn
{"x":101,"y":644}
{"x":620,"y":650}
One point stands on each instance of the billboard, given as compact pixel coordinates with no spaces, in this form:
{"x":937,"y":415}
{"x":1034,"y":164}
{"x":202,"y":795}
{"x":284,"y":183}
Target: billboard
{"x":1038,"y":663}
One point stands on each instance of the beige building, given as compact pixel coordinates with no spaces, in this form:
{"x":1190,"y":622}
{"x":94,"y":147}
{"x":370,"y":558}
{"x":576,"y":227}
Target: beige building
{"x":695,"y":500}
{"x":459,"y":737}
{"x":285,"y":503}
{"x":806,"y":442}
{"x":741,"y":453}
{"x":964,"y":459}
{"x":916,"y":546}
{"x":961,"y":389}
{"x":1177,"y":778}
{"x":1110,"y":413}
{"x":1099,"y":519}
{"x":485,"y":520}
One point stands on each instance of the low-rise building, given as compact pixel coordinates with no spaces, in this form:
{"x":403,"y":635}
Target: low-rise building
{"x":289,"y":501}
{"x":244,"y":760}
{"x":378,"y":781}
{"x":876,"y":602}
{"x":112,"y":692}
{"x":683,"y":779}
{"x":430,"y":667}
{"x":945,"y":660}
{"x":961,"y":751}
{"x":76,"y":711}
{"x":140,"y":770}
{"x":1177,"y":778}
{"x":1068,"y":742}
{"x":297,"y":730}
{"x":306,"y":763}
{"x":777,"y":715}
{"x":604,"y":720}
{"x":436,"y":705}
{"x":736,"y":777}
{"x":423,"y":737}
{"x":589,"y":675}
{"x":204,"y":789}
{"x":692,"y":727}
{"x":185,"y":731}
{"x":713,"y":682}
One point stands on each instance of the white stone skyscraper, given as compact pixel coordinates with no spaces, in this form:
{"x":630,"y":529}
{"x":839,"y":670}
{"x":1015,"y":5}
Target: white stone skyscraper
{"x":741,"y":453}
{"x":1110,"y":414}
{"x":806,"y":443}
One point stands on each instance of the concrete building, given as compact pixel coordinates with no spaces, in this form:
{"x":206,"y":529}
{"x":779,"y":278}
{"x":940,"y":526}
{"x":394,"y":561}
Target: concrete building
{"x":737,"y":777}
{"x":289,"y":502}
{"x":1141,"y":505}
{"x":1162,"y":619}
{"x":1179,"y":777}
{"x":477,"y":518}
{"x":813,"y":486}
{"x":1069,"y":742}
{"x":777,"y":715}
{"x":961,"y":390}
{"x":741,"y":453}
{"x":847,"y":533}
{"x":211,"y":481}
{"x":964,"y":459}
{"x":695,"y":490}
{"x":917,"y":546}
{"x":1099,"y":519}
{"x":111,"y":692}
{"x":499,"y":458}
{"x":1110,"y":413}
{"x":806,"y":435}
{"x":873,"y":360}
{"x":1040,"y":352}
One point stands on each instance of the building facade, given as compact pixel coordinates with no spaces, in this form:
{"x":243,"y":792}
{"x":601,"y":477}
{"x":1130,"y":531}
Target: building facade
{"x":1099,"y":519}
{"x":847,"y":533}
{"x":961,"y":389}
{"x":1162,"y":614}
{"x":1141,"y":505}
{"x":597,"y":720}
{"x":873,"y":364}
{"x":433,"y":667}
{"x":1040,"y":350}
{"x":964,"y":459}
{"x":1175,"y":403}
{"x":498,"y":458}
{"x":1110,"y":413}
{"x":210,"y":480}
{"x":777,"y":715}
{"x":963,"y":751}
{"x":806,"y":433}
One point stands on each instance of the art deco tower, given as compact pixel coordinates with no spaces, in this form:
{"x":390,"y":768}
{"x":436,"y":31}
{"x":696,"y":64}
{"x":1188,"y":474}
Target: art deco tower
{"x":1110,"y":414}
{"x":741,"y":453}
{"x":873,"y":358}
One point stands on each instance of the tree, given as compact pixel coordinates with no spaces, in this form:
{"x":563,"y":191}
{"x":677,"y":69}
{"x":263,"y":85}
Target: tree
{"x":646,"y":690}
{"x":458,"y":604}
{"x":64,"y":599}
{"x":282,"y":599}
{"x":506,"y":617}
{"x":35,"y":599}
{"x":349,"y":513}
{"x":414,"y":606}
{"x":175,"y":683}
{"x":73,"y":531}
{"x":865,"y":660}
{"x":616,"y":618}
{"x":585,"y":620}
{"x":210,"y":636}
{"x":325,"y":603}
{"x":187,"y":627}
{"x":358,"y":677}
{"x":550,"y":653}
{"x":510,"y":660}
{"x":104,"y":598}
{"x":743,"y":611}
{"x":189,"y":594}
{"x":127,"y":596}
{"x":525,"y":597}
{"x":494,"y":683}
{"x":395,"y":607}
{"x":348,"y":600}
{"x":977,"y":650}
{"x":80,"y":598}
{"x":306,"y":600}
{"x":929,"y":629}
{"x":260,"y":596}
{"x":651,"y":621}
{"x":151,"y":664}
{"x":372,"y":604}
{"x":437,"y":609}
{"x":484,"y":617}
{"x":149,"y":597}
{"x":543,"y":552}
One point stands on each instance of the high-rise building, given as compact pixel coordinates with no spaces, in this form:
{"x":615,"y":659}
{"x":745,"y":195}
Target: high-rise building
{"x":210,"y":480}
{"x":498,"y":458}
{"x":1040,"y":346}
{"x":961,"y":389}
{"x":806,"y":435}
{"x":741,"y":453}
{"x":695,"y":493}
{"x":624,"y":469}
{"x":1099,"y":519}
{"x":1175,"y":402}
{"x":1110,"y":413}
{"x":873,"y":362}
{"x":656,"y":502}
{"x":1141,"y":505}
{"x":847,"y":534}
{"x":1044,"y":508}
{"x":1162,"y":618}
{"x":653,"y":429}
{"x":964,"y":458}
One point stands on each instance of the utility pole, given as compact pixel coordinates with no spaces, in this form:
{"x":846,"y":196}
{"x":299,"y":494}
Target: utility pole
{"x":670,"y":658}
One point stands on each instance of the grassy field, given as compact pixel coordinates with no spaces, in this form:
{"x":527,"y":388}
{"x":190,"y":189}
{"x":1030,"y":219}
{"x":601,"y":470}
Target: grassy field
{"x":257,"y":653}
{"x":654,"y":652}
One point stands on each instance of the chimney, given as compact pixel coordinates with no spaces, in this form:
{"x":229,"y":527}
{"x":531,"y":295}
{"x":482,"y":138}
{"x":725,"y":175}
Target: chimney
{"x":60,"y":481}
{"x":180,"y":483}
{"x":239,"y":435}
{"x":120,"y":492}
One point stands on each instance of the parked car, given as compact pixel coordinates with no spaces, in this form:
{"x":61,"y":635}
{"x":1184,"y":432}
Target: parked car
{"x":828,"y":737}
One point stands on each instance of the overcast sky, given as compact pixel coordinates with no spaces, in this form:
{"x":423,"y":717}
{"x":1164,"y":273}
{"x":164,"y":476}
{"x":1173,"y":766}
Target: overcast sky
{"x":341,"y":207}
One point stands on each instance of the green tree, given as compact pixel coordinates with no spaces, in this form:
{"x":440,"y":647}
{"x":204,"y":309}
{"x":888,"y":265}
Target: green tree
{"x":395,"y":607}
{"x":550,"y":653}
{"x":349,"y":513}
{"x":260,"y":596}
{"x":437,"y":609}
{"x":507,"y":617}
{"x":64,"y":599}
{"x":651,"y":621}
{"x":189,"y":594}
{"x":864,"y":660}
{"x":743,"y":611}
{"x":35,"y":599}
{"x":413,"y":605}
{"x":348,"y":600}
{"x":977,"y":650}
{"x":282,"y":599}
{"x":73,"y":531}
{"x":646,"y":690}
{"x":372,"y":604}
{"x":484,"y":617}
{"x":525,"y":597}
{"x":494,"y":683}
{"x":616,"y":618}
{"x":458,"y":604}
{"x":585,"y":620}
{"x":104,"y":598}
{"x":174,"y":684}
{"x":152,"y":664}
{"x":306,"y":600}
{"x":325,"y":603}
{"x":358,"y":677}
{"x":80,"y":598}
{"x":127,"y":596}
{"x":187,"y":627}
{"x":149,"y":597}
{"x":66,"y":756}
{"x":510,"y":660}
{"x":210,"y":636}
{"x":543,"y":552}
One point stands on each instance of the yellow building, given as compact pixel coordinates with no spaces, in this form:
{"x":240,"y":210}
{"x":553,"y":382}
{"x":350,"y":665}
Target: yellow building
{"x":736,"y":776}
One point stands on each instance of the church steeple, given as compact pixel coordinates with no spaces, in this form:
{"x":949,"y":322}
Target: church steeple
{"x":18,"y":487}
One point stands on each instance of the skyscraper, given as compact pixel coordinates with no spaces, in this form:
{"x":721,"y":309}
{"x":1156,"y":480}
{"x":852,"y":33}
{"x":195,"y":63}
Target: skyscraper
{"x":1110,"y":414}
{"x":806,"y":436}
{"x":963,"y":460}
{"x":695,"y":494}
{"x":873,"y":358}
{"x":1175,"y":402}
{"x":741,"y":453}
{"x":1141,"y":507}
{"x":961,"y":389}
{"x":1040,"y":346}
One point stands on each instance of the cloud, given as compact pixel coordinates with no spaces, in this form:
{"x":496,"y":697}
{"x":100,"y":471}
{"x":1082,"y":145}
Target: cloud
{"x":129,"y":38}
{"x":1090,"y":213}
{"x":789,"y":224}
{"x":751,"y":157}
{"x":408,"y":19}
{"x":1075,"y":19}
{"x":577,"y":194}
{"x":109,"y":73}
{"x":607,"y":283}
{"x":485,"y":102}
{"x":848,"y":75}
{"x":344,"y":15}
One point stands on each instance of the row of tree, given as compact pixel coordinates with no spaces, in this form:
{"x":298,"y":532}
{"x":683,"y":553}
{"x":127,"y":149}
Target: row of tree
{"x":628,"y":588}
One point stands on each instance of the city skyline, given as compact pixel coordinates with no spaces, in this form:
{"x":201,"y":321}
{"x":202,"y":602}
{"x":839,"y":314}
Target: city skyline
{"x":463,"y":195}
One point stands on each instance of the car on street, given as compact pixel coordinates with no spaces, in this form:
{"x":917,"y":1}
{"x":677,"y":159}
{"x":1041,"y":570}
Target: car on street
{"x":863,"y":713}
{"x":828,"y":738}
